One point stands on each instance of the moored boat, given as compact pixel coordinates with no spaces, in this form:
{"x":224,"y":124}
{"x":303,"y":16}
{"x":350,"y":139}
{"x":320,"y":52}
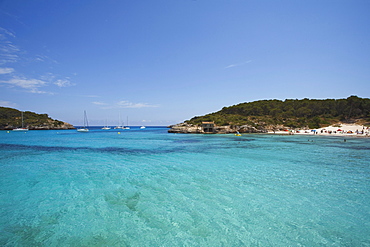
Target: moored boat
{"x":86,"y":124}
{"x":22,"y":128}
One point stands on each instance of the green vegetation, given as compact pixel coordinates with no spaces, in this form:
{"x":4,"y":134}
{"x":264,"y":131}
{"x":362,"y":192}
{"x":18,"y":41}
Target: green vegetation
{"x":291,"y":113}
{"x":11,"y":118}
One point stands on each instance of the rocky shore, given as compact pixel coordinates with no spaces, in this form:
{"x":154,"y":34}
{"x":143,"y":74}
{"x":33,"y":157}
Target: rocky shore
{"x":64,"y":126}
{"x":196,"y":129}
{"x":339,"y":129}
{"x":51,"y":125}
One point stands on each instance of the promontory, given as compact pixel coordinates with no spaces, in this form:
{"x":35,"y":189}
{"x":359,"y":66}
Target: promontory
{"x":11,"y":118}
{"x":276,"y":115}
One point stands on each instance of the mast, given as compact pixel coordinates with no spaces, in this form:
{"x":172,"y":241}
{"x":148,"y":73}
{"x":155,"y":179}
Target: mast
{"x":119,"y":119}
{"x":85,"y":120}
{"x":22,"y":120}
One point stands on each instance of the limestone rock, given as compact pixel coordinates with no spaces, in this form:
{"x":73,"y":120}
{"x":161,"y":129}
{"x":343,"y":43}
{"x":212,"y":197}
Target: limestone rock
{"x":195,"y":129}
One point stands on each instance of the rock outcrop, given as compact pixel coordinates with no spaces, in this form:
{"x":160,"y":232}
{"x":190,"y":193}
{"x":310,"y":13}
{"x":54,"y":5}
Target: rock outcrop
{"x":195,"y":129}
{"x":51,"y":126}
{"x":185,"y":128}
{"x":45,"y":126}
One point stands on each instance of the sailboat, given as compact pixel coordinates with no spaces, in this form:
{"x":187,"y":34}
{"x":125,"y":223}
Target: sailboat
{"x":84,"y":129}
{"x":21,"y":129}
{"x":119,"y":126}
{"x":127,"y":128}
{"x":106,"y":126}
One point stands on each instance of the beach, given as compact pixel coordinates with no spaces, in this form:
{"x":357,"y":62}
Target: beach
{"x":353,"y":130}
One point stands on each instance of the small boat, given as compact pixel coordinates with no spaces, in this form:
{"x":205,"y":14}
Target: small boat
{"x":20,"y":129}
{"x":238,"y":134}
{"x":142,"y":127}
{"x":119,"y":126}
{"x":126,"y":127}
{"x":83,"y":130}
{"x":86,"y":124}
{"x":23,"y":128}
{"x":106,"y":126}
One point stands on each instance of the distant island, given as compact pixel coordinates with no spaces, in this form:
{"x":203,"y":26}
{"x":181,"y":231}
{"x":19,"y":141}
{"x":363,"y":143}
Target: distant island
{"x":275,"y":115}
{"x":12,"y":118}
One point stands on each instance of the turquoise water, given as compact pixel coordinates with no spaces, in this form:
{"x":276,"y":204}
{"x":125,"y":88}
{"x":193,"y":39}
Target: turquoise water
{"x":150,"y":188}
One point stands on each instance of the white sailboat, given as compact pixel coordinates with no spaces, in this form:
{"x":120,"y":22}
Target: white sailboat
{"x":23,"y":128}
{"x":119,"y":126}
{"x":106,"y":126}
{"x":86,"y":124}
{"x":127,"y":128}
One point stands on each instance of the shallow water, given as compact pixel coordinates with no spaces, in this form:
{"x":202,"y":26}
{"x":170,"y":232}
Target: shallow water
{"x":150,"y":188}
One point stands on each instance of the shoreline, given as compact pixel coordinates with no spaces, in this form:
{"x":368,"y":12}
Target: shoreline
{"x":342,"y":130}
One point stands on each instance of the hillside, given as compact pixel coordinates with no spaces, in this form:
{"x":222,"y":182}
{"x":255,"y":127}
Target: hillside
{"x":11,"y":118}
{"x":291,"y":113}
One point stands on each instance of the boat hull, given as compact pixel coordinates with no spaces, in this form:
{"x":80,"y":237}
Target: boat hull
{"x":83,"y":130}
{"x":20,"y":129}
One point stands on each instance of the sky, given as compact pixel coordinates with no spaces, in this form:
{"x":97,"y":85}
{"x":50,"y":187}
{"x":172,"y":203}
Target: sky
{"x":160,"y":62}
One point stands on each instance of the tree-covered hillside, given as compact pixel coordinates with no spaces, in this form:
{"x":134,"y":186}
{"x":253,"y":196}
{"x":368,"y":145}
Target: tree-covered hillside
{"x":311,"y":113}
{"x":11,"y":118}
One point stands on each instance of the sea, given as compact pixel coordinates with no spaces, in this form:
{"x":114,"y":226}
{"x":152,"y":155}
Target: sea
{"x":147,"y":187}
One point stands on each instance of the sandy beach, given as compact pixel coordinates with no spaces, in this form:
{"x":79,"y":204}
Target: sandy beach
{"x":337,"y":130}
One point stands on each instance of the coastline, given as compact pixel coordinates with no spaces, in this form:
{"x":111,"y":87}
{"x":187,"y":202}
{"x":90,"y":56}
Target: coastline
{"x":340,"y":130}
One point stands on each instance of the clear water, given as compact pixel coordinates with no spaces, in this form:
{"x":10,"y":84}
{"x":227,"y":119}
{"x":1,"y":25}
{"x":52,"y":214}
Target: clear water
{"x":150,"y":188}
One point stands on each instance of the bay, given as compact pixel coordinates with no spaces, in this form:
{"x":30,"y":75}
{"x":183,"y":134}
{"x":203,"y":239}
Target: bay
{"x":146,"y":187}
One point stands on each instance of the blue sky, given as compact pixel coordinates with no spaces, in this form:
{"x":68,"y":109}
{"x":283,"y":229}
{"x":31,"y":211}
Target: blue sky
{"x":162,"y":62}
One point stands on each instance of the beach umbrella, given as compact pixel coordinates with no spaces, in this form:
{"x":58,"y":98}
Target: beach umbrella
{"x":339,"y":130}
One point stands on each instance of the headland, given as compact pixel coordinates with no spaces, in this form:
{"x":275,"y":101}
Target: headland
{"x":350,"y":116}
{"x":11,"y":118}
